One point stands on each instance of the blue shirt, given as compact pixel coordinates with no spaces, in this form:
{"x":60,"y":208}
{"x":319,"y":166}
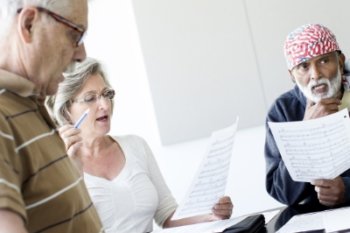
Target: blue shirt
{"x":290,"y":106}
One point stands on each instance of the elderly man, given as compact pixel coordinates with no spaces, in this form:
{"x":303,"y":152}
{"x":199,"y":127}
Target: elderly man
{"x":316,"y":65}
{"x":40,"y":190}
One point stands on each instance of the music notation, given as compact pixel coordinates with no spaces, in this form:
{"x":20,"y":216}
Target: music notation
{"x":314,"y":149}
{"x":209,"y":183}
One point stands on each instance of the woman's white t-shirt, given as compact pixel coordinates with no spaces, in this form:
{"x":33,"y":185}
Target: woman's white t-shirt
{"x":130,"y":201}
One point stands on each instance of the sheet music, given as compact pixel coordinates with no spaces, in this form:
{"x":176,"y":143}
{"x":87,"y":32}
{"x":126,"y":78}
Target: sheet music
{"x":329,"y":220}
{"x":314,"y":149}
{"x":210,"y":180}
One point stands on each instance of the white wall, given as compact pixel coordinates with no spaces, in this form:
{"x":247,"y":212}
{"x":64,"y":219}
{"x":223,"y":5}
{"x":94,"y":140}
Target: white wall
{"x":112,"y":38}
{"x":200,"y":63}
{"x":210,"y":60}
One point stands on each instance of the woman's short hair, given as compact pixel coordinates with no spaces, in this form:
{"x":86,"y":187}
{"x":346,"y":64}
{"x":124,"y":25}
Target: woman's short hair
{"x":74,"y":81}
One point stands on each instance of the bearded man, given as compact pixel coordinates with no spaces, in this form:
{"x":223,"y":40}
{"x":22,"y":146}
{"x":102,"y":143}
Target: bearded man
{"x":316,"y":65}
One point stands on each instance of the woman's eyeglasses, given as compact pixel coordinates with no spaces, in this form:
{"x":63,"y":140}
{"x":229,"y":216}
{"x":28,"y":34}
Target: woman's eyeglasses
{"x":92,"y":97}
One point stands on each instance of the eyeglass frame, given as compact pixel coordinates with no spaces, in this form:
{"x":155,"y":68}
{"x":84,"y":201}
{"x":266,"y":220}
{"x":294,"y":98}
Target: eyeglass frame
{"x":64,"y":21}
{"x":98,"y":96}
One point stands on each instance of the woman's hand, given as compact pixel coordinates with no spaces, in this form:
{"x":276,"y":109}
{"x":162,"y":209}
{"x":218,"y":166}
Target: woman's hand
{"x":73,"y":142}
{"x":223,"y":208}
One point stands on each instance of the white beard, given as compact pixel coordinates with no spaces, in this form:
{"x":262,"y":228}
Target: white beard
{"x":333,"y":87}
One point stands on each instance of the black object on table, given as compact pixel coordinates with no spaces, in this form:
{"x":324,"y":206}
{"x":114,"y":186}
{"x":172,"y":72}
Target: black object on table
{"x":251,"y":224}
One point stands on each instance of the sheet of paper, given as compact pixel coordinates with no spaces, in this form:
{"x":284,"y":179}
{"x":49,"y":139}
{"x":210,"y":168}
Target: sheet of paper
{"x":336,"y":220}
{"x":303,"y":222}
{"x":209,"y":183}
{"x":208,"y":227}
{"x":329,"y":220}
{"x":314,"y":149}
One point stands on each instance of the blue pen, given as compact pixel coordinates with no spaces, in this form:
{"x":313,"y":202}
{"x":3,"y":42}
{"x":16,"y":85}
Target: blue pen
{"x":81,"y":119}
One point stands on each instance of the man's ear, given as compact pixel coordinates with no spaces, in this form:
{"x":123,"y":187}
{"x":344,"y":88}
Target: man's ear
{"x":26,"y":19}
{"x":291,"y":76}
{"x":341,"y":62}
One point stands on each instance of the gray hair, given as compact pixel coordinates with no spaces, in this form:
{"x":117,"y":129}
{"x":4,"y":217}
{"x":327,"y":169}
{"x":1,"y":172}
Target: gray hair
{"x":8,"y":10}
{"x":74,"y":81}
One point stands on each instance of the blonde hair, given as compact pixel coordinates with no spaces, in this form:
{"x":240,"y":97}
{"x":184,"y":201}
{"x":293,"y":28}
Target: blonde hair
{"x":74,"y":81}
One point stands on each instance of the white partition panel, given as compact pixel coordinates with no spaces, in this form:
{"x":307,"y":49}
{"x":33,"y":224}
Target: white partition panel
{"x":201,"y":66}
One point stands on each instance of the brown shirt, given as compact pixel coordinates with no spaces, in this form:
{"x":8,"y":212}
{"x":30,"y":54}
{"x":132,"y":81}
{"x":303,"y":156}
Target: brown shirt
{"x":37,"y":179}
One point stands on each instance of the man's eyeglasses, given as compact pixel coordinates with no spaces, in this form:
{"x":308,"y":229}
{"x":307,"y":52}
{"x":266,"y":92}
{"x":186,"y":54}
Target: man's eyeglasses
{"x":92,"y":97}
{"x":78,"y":40}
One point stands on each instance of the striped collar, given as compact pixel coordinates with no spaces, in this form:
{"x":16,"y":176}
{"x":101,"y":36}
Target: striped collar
{"x":24,"y":88}
{"x":17,"y":84}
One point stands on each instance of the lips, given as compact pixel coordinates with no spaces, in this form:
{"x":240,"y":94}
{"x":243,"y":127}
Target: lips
{"x":102,"y":118}
{"x":320,"y":88}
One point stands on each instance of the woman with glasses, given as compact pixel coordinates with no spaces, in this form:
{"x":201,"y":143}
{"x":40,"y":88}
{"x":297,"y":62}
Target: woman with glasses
{"x":120,"y":172}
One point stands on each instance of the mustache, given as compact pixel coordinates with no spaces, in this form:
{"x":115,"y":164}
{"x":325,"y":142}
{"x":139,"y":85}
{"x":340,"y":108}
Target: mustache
{"x":332,"y":87}
{"x":323,"y":81}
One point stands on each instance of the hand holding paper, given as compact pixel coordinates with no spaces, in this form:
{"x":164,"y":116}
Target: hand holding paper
{"x":209,"y":183}
{"x":330,"y":192}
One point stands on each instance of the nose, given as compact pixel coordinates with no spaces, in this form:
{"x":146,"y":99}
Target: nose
{"x":103,"y":103}
{"x":79,"y":53}
{"x":315,"y":73}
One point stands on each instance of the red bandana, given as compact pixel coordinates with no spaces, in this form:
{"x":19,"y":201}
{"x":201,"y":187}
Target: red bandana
{"x":308,"y":41}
